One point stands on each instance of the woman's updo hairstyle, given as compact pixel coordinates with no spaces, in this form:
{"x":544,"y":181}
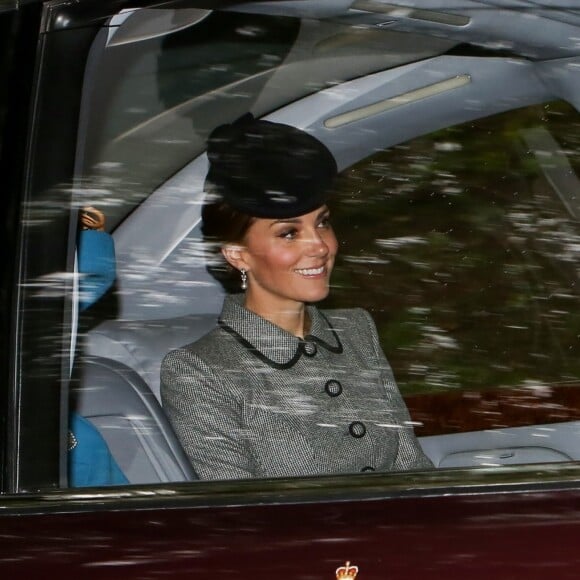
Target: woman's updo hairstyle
{"x":261,"y":169}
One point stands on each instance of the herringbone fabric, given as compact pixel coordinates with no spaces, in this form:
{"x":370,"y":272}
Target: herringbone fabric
{"x":251,"y":400}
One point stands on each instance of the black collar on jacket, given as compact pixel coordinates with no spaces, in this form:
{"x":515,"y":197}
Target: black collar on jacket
{"x":270,"y":343}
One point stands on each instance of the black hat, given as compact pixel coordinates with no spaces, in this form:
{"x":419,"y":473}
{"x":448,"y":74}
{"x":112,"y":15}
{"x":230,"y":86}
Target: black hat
{"x":269,"y":170}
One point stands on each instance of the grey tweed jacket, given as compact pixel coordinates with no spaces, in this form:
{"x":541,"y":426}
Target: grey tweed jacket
{"x":251,"y":400}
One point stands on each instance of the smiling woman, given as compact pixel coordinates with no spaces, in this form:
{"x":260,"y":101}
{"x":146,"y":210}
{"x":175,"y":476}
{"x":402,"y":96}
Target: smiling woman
{"x":289,"y":262}
{"x":281,"y":388}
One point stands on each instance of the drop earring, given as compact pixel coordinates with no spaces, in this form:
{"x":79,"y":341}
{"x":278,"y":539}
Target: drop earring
{"x":244,"y":279}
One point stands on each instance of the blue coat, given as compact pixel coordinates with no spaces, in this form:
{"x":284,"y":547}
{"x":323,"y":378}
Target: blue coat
{"x":90,"y":461}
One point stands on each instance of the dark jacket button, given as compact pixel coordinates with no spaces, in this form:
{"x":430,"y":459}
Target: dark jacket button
{"x":333,"y":388}
{"x":357,"y":429}
{"x":309,"y":348}
{"x":367,"y":468}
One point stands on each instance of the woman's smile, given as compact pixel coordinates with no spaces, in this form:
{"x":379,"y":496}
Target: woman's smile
{"x":312,"y":272}
{"x":288,"y":261}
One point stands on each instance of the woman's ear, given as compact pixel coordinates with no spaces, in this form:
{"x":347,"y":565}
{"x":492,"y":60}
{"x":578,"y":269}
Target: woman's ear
{"x":234,"y":255}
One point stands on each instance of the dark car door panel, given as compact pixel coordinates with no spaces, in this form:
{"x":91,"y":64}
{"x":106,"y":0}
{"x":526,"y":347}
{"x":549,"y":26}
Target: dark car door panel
{"x":503,"y":534}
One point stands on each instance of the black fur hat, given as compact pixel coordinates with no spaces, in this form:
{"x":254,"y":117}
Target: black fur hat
{"x":269,"y":170}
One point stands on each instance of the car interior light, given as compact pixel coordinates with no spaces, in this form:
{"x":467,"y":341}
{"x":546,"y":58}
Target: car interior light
{"x":408,"y":12}
{"x":397,"y":101}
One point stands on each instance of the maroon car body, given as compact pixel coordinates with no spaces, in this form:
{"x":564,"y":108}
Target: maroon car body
{"x":506,"y":531}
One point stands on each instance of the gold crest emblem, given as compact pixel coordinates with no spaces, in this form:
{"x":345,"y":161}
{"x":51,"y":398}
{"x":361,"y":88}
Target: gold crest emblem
{"x":346,"y":572}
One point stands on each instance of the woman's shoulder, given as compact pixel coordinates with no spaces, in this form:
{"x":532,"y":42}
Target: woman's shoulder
{"x":347,"y":317}
{"x":207,"y":347}
{"x":354,"y":325}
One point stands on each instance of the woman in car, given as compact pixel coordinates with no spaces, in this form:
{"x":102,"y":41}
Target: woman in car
{"x":279,"y":387}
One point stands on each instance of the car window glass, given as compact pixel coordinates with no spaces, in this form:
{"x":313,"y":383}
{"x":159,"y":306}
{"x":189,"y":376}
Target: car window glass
{"x":462,"y":243}
{"x":464,"y":246}
{"x":150,"y":104}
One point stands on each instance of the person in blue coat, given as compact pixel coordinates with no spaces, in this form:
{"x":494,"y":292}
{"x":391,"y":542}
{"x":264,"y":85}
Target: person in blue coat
{"x":90,"y":462}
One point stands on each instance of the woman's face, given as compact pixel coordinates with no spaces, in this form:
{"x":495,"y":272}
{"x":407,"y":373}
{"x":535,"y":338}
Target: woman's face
{"x":289,"y":260}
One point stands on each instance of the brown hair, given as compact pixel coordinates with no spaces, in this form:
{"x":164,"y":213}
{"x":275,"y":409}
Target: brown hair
{"x":223,"y":224}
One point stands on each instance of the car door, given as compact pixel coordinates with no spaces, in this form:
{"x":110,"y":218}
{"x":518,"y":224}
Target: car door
{"x":109,"y":108}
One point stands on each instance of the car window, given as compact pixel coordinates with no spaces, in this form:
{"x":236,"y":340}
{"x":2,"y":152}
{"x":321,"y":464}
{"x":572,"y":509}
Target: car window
{"x":456,"y":212}
{"x":462,"y":242}
{"x":464,"y":245}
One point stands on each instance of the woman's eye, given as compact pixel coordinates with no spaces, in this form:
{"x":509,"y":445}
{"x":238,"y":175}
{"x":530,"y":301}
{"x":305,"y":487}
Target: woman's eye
{"x":324,"y":222}
{"x":288,"y":234}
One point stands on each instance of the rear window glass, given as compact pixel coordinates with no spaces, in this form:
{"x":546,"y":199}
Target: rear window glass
{"x":465,"y":246}
{"x":463,"y":243}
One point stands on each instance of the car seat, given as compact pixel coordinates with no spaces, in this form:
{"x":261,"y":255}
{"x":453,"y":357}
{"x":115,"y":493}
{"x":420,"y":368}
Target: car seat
{"x":142,"y":344}
{"x":129,"y":417}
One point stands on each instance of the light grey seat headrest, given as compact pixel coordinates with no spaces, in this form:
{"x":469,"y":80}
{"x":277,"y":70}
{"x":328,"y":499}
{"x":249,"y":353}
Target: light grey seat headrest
{"x":142,"y":344}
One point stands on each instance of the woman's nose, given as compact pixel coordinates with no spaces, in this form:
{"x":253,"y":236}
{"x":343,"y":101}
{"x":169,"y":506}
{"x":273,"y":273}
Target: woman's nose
{"x":317,"y":246}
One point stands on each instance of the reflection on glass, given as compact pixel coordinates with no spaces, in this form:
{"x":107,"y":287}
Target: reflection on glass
{"x":465,"y":249}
